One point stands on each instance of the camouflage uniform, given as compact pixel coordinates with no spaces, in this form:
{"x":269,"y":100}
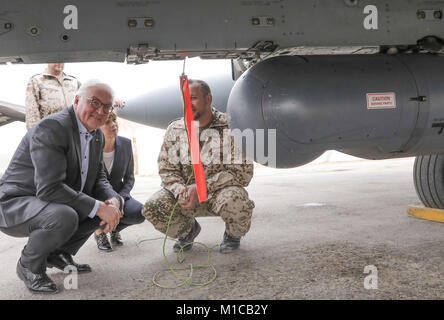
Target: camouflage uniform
{"x":226,"y":195}
{"x":47,"y":94}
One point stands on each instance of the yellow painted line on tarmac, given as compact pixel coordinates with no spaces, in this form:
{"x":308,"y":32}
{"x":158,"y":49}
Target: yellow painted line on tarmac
{"x":426,"y":213}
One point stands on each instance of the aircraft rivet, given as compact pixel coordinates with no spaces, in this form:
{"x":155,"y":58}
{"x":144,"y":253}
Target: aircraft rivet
{"x":270,"y":21}
{"x":34,"y":30}
{"x":351,"y":2}
{"x":8,"y":25}
{"x":132,"y":23}
{"x":255,"y":21}
{"x":437,"y":14}
{"x":420,"y":14}
{"x":392,"y":50}
{"x":149,"y":22}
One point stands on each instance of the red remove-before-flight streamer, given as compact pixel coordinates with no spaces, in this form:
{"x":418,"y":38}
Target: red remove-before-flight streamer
{"x":199,"y":173}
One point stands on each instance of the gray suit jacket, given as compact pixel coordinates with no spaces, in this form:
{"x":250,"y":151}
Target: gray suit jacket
{"x":46,"y":169}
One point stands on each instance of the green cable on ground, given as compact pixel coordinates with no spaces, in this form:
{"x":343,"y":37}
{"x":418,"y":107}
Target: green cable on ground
{"x":180,"y":256}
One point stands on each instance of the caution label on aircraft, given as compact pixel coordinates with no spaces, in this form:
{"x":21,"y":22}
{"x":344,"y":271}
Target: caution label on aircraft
{"x":386,"y":100}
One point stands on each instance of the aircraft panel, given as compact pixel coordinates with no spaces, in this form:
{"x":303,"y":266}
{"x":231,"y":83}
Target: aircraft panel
{"x":43,"y":31}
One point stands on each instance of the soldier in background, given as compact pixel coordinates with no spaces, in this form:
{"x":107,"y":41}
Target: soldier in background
{"x":48,"y":93}
{"x":226,"y":182}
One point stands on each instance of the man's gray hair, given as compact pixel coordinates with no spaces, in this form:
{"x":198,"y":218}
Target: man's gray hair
{"x":95,"y":83}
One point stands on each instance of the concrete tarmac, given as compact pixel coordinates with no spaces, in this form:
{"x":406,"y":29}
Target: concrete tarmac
{"x":314,"y":230}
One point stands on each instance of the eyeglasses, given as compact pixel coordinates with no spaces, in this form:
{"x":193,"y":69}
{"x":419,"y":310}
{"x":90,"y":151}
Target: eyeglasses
{"x":97,"y":104}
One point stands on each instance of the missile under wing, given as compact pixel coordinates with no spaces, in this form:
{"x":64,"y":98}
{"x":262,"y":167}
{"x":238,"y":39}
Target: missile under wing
{"x":158,"y":107}
{"x":10,"y":112}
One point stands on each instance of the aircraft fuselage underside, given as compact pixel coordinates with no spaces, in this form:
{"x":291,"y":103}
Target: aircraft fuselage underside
{"x":139,"y":31}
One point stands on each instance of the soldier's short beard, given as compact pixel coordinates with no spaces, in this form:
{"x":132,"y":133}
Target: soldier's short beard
{"x":196,"y":116}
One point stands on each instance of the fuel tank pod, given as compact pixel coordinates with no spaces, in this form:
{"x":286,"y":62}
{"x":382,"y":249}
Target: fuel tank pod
{"x":370,"y":106}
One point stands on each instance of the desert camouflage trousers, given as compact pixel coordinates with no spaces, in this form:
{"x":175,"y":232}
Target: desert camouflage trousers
{"x":231,"y":204}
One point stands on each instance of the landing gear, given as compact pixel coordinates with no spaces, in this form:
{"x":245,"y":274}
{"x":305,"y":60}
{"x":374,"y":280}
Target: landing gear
{"x":428,"y":175}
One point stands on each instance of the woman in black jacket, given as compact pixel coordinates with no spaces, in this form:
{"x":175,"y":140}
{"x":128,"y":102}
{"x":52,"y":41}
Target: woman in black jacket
{"x":119,"y":165}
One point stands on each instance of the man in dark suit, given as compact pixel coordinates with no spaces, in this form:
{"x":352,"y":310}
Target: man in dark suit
{"x":55,"y":189}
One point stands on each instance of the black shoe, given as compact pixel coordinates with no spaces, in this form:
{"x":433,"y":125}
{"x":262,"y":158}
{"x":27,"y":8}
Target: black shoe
{"x":229,"y":244}
{"x":116,"y":239}
{"x":61,"y":260}
{"x":35,"y":282}
{"x":187,"y":239}
{"x":102,"y":242}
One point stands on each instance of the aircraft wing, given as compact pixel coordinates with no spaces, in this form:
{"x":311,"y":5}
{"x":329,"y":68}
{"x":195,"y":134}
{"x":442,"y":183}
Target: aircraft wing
{"x":10,"y":112}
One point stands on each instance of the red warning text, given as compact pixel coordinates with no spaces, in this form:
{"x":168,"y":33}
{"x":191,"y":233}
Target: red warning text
{"x":386,"y":100}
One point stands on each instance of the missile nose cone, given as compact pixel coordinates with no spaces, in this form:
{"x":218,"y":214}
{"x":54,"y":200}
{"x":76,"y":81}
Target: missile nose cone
{"x":158,"y":107}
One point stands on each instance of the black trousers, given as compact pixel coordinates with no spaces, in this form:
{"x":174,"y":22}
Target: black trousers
{"x":132,"y":214}
{"x":57,"y":228}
